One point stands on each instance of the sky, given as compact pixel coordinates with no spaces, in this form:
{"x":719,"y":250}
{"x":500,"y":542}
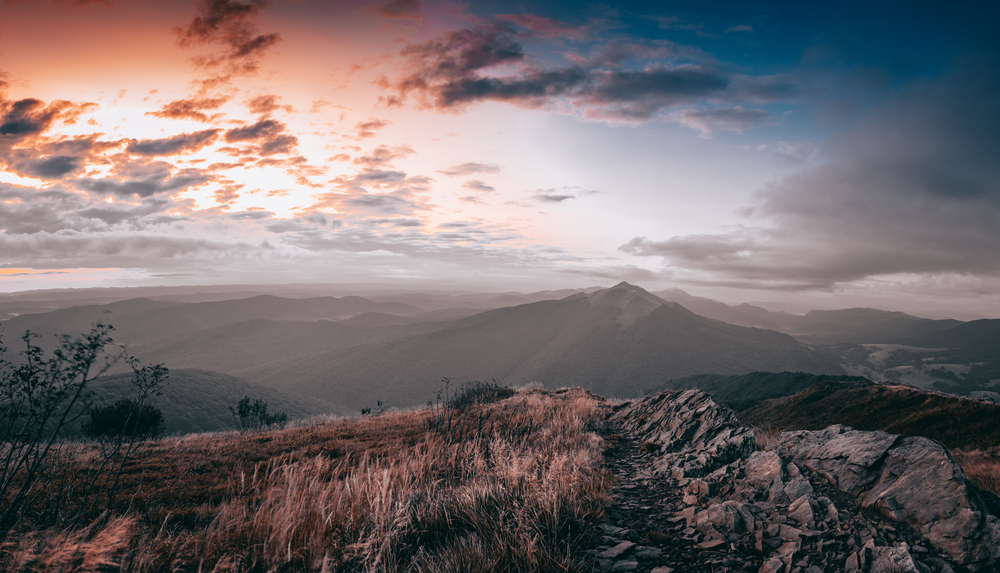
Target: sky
{"x":798,"y":155}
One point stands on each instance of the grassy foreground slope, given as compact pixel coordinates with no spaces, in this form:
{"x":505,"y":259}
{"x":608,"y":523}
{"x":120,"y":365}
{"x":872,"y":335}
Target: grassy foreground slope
{"x":514,"y":485}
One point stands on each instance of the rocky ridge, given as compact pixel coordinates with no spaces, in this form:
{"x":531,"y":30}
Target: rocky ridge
{"x":694,"y":493}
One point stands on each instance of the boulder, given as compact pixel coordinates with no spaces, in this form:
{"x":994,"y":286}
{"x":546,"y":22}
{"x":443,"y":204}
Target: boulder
{"x":912,"y":480}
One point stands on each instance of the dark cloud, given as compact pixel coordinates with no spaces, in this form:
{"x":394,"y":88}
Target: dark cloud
{"x":476,"y":185}
{"x":27,"y":118}
{"x":191,"y":109}
{"x":157,"y":181}
{"x":55,"y":167}
{"x":175,"y":145}
{"x":911,"y":190}
{"x":463,"y":169}
{"x":456,"y":69}
{"x":396,"y":9}
{"x":268,"y":135}
{"x":233,"y":25}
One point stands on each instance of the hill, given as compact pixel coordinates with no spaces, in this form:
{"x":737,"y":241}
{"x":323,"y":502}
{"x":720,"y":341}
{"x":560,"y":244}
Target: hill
{"x":745,"y":390}
{"x":956,"y":422}
{"x":198,"y":401}
{"x":143,"y":322}
{"x":614,"y":341}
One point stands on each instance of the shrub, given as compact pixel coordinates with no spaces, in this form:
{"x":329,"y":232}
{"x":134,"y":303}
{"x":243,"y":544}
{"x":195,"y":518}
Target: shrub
{"x":127,"y":418}
{"x":252,"y":415}
{"x":477,"y":392}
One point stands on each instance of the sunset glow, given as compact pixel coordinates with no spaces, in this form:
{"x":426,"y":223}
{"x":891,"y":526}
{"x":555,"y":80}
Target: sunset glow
{"x":747,"y":153}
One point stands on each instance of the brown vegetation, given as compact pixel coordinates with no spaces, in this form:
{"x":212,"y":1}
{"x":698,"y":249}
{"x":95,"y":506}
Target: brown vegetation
{"x":982,"y":467}
{"x":959,"y":423}
{"x":513,"y":485}
{"x":967,"y":427}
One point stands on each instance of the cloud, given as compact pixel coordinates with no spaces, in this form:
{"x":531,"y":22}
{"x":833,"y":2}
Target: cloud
{"x":185,"y":142}
{"x":740,"y":28}
{"x":265,"y":104}
{"x":458,"y":68}
{"x":463,"y":169}
{"x":233,"y":25}
{"x":551,"y":196}
{"x":544,"y":26}
{"x":158,"y":181}
{"x":476,"y":185}
{"x":28,"y":118}
{"x":268,"y":135}
{"x":911,"y":190}
{"x":368,"y":128}
{"x":190,"y":109}
{"x":735,"y":119}
{"x":396,"y":9}
{"x":382,"y":156}
{"x":55,"y":166}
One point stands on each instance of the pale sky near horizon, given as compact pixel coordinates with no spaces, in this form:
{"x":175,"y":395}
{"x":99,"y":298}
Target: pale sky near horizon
{"x":813,"y":156}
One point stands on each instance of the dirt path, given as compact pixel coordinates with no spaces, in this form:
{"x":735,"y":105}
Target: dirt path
{"x":645,"y":514}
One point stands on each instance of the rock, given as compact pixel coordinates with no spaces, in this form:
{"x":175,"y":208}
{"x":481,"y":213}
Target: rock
{"x":711,"y":544}
{"x":911,"y":480}
{"x":648,"y":554}
{"x":662,"y":570}
{"x":617,"y":551}
{"x":762,"y":468}
{"x":896,"y":559}
{"x":921,"y":483}
{"x":801,"y":511}
{"x":695,"y":435}
{"x":848,"y":455}
{"x":625,"y":566}
{"x":772,"y":565}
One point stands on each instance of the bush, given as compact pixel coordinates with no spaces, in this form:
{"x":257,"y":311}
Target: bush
{"x":478,"y":392}
{"x":126,"y":418}
{"x":252,"y":415}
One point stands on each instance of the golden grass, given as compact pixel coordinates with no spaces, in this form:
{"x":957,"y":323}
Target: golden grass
{"x":982,"y":467}
{"x":512,"y":486}
{"x":765,"y":435}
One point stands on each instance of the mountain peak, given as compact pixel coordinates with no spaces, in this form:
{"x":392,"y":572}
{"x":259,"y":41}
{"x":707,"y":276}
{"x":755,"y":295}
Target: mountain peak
{"x":633,"y":301}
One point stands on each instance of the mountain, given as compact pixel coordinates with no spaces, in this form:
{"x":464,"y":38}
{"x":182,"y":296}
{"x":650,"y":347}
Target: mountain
{"x":613,"y":341}
{"x":142,"y":322}
{"x":199,"y":401}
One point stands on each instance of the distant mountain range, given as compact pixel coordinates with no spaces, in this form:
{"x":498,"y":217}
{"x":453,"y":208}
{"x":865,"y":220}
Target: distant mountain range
{"x":398,"y":346}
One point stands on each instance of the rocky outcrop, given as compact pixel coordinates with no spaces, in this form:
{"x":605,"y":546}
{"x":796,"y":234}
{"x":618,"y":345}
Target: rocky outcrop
{"x":690,"y":434}
{"x":833,"y":500}
{"x":908,"y":480}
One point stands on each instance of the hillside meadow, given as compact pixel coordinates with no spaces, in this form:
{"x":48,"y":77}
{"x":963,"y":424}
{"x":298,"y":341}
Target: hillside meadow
{"x":510,"y":485}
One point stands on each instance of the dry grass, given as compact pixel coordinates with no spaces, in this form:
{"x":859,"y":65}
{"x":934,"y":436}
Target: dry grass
{"x":982,"y":467}
{"x":765,"y":435}
{"x":515,"y":485}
